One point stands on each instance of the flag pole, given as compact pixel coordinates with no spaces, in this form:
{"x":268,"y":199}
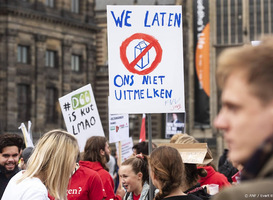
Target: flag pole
{"x":149,"y":133}
{"x":142,"y":135}
{"x":119,"y":154}
{"x":151,"y":195}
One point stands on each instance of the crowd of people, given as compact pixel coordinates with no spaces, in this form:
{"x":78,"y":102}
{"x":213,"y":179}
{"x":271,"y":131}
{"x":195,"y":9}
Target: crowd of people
{"x":55,"y":169}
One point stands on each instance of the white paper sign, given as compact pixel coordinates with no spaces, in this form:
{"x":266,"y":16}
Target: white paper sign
{"x":126,"y":148}
{"x":81,"y":114}
{"x":118,"y":128}
{"x":175,"y":123}
{"x":145,"y":59}
{"x":27,"y":134}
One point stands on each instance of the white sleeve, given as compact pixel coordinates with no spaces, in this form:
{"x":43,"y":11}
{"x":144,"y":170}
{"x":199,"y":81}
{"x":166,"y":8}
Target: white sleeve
{"x":36,"y":192}
{"x":35,"y":196}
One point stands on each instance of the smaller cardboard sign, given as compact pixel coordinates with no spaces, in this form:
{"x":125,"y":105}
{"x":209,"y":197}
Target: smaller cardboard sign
{"x":118,"y":127}
{"x":126,"y":148}
{"x":193,"y":153}
{"x":175,"y":123}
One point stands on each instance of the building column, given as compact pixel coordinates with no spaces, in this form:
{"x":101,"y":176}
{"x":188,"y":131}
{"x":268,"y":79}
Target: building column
{"x":3,"y":85}
{"x":91,"y":65}
{"x":40,"y":89}
{"x":11,"y":98}
{"x":66,"y":67}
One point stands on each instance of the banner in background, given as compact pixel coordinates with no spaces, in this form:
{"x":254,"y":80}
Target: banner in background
{"x":202,"y":62}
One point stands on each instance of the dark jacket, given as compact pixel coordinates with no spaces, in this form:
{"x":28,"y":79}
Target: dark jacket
{"x":257,"y":177}
{"x":199,"y":191}
{"x":225,"y":166}
{"x":4,"y":180}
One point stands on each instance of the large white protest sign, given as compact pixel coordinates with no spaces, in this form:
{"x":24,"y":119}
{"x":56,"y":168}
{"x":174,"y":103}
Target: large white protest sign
{"x":81,"y":114}
{"x":126,"y":148}
{"x":145,"y":59}
{"x":118,"y":127}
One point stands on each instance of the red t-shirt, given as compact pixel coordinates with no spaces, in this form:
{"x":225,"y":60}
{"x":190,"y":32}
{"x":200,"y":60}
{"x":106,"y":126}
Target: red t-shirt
{"x":136,"y":197}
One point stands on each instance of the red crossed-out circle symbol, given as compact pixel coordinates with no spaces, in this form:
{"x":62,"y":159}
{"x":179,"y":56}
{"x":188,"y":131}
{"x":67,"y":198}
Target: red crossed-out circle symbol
{"x":152,"y":43}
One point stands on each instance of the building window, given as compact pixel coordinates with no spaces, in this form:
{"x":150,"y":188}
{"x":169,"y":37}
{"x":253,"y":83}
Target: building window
{"x":75,"y":63}
{"x":75,"y":6}
{"x":51,"y":105}
{"x":260,"y":18}
{"x":50,"y":3}
{"x":22,"y":54}
{"x":51,"y":59}
{"x":23,"y":100}
{"x":229,"y":17}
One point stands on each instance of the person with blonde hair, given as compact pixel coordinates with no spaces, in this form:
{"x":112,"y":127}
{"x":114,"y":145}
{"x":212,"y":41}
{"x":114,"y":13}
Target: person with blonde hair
{"x":183,"y":138}
{"x":166,"y":171}
{"x":49,"y":169}
{"x":176,"y":136}
{"x":245,"y":76}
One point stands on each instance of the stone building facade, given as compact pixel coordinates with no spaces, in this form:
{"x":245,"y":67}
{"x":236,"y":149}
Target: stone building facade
{"x":50,"y":47}
{"x":47,"y":49}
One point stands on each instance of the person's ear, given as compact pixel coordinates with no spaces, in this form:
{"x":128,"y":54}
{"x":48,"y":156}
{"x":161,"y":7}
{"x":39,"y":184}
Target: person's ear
{"x":271,"y":107}
{"x":102,"y":152}
{"x":139,"y":175}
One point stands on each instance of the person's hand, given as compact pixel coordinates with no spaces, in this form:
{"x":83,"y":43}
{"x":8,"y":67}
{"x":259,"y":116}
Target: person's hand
{"x":120,"y":191}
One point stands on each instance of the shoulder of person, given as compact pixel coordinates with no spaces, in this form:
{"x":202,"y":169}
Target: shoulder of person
{"x":249,"y":189}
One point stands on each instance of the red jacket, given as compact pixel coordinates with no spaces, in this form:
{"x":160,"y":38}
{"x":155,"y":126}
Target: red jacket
{"x":213,"y":177}
{"x":85,"y":184}
{"x":106,"y":178}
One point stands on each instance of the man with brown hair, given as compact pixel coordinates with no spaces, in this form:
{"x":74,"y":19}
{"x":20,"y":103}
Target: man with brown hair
{"x":245,"y":75}
{"x":96,"y":155}
{"x":10,"y":149}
